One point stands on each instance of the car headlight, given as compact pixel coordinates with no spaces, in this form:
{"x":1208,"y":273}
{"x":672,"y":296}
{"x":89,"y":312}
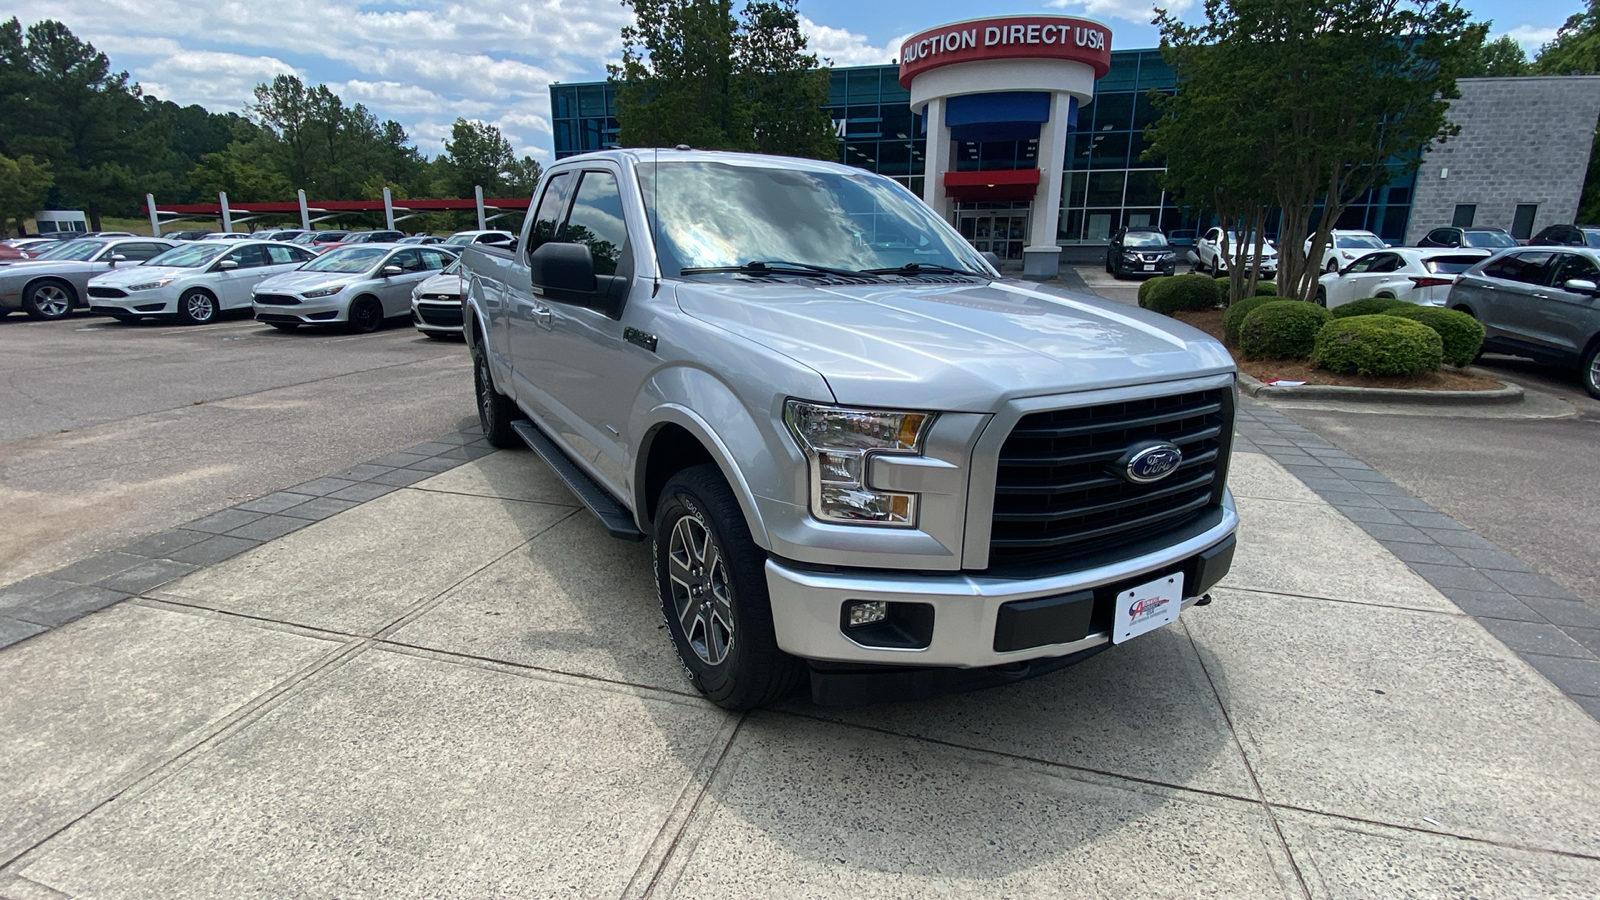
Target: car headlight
{"x":839,"y":443}
{"x":150,"y":285}
{"x":323,"y":292}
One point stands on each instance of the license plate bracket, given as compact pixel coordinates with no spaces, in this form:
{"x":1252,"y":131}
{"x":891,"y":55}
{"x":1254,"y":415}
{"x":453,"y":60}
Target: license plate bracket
{"x":1147,"y":607}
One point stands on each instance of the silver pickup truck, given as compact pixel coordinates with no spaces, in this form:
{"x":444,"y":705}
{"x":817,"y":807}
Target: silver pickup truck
{"x":864,"y":459}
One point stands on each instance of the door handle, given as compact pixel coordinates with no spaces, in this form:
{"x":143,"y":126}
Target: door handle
{"x":541,"y":314}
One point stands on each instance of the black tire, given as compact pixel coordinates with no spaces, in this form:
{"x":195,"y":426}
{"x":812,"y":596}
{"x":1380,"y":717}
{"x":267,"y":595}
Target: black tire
{"x":366,"y":315}
{"x":48,"y":300}
{"x":285,"y":326}
{"x":197,"y":307}
{"x":1589,"y":370}
{"x":1322,"y":298}
{"x":711,"y":580}
{"x":1109,"y":269}
{"x":496,"y":412}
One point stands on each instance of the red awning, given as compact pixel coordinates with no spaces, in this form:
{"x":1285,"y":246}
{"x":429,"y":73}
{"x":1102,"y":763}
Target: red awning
{"x":994,"y":184}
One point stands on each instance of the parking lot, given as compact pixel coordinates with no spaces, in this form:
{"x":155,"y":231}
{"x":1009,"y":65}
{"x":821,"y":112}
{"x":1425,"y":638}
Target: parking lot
{"x":450,"y":682}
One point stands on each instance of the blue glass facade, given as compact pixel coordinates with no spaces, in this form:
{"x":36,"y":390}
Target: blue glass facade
{"x":1109,"y":182}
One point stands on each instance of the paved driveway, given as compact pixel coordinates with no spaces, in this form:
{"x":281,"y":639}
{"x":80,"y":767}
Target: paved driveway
{"x":461,"y":688}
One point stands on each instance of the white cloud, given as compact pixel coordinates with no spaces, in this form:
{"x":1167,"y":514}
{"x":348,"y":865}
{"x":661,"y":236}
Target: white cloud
{"x":846,"y":48}
{"x":1532,"y":38}
{"x":221,"y":82}
{"x":1140,"y":11}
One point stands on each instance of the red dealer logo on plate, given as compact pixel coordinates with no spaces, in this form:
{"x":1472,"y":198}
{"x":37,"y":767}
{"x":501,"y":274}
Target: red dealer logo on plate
{"x":1007,"y":37}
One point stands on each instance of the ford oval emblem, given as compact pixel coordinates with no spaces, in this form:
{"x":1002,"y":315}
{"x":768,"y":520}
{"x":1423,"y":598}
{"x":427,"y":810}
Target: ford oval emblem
{"x":1151,"y":461}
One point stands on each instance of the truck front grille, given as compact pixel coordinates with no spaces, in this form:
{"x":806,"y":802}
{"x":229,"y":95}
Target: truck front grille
{"x":1058,"y":496}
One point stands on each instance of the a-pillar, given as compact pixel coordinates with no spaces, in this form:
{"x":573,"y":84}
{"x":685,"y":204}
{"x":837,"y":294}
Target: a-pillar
{"x":1042,"y":257}
{"x":937,"y":151}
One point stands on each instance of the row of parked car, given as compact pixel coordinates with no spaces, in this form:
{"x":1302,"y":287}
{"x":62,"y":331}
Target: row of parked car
{"x":18,"y":249}
{"x":284,"y":284}
{"x":1538,"y":300}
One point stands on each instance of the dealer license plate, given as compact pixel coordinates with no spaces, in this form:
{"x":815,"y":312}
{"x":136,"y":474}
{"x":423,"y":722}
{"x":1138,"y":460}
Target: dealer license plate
{"x":1148,"y":607}
{"x":1149,"y":268}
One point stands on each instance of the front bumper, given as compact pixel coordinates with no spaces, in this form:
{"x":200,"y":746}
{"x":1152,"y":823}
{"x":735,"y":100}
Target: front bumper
{"x":319,"y":311}
{"x":437,"y":315}
{"x":140,"y":303}
{"x":966,"y":608}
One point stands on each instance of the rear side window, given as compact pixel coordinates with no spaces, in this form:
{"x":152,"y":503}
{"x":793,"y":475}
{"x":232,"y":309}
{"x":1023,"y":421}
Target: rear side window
{"x":285,"y":254}
{"x":1591,"y":238}
{"x":1528,"y":268}
{"x":1450,"y":265}
{"x":596,"y":221}
{"x":1573,"y":265}
{"x":433,"y":259}
{"x":551,"y":206}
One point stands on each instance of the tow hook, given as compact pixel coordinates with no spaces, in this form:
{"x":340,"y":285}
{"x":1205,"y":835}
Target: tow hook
{"x":1205,"y":600}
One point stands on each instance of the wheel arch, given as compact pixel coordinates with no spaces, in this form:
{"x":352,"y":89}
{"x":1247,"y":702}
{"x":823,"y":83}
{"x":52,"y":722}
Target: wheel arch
{"x":679,"y":439}
{"x":75,"y":296}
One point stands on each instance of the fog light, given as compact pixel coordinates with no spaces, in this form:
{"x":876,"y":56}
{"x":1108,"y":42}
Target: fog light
{"x":867,"y":612}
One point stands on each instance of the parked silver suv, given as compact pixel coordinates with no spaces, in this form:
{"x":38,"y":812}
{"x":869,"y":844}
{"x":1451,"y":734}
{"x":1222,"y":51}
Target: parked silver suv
{"x":1538,"y":302}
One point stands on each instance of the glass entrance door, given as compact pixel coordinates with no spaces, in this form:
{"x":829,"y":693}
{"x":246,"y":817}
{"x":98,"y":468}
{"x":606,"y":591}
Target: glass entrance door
{"x":1002,"y":232}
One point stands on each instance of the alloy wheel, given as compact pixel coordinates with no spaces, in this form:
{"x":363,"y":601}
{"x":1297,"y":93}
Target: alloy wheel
{"x":51,"y":300}
{"x":199,"y":307}
{"x":701,"y":594}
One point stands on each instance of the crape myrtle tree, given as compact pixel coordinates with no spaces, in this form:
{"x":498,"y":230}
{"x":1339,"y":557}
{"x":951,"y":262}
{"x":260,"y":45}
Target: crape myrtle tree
{"x":694,"y":73}
{"x":1350,"y":94}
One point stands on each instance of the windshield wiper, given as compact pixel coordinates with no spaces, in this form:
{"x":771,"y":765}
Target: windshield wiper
{"x":773,"y":267}
{"x":915,"y":268}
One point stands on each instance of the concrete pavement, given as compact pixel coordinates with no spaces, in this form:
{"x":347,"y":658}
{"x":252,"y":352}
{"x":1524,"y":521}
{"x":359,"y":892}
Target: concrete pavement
{"x":460,"y":688}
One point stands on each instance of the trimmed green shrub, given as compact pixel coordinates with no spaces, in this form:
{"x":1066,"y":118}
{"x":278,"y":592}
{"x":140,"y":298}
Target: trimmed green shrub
{"x":1191,"y":292}
{"x":1281,"y":329}
{"x":1263,"y":288}
{"x":1234,"y":317}
{"x":1379,"y":345}
{"x":1461,"y":333}
{"x":1150,"y":286}
{"x":1369,"y":306}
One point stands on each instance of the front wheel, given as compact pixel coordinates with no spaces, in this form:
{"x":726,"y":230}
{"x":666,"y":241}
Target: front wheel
{"x":196,"y":307}
{"x":366,"y":315}
{"x":1590,"y":372}
{"x":713,"y":589}
{"x":1322,"y":298}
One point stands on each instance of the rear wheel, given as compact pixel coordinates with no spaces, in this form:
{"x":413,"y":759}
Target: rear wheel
{"x":713,"y":590}
{"x":366,"y":315}
{"x":48,"y":300}
{"x":496,"y":412}
{"x":1590,"y":370}
{"x":196,"y":307}
{"x":1322,"y":298}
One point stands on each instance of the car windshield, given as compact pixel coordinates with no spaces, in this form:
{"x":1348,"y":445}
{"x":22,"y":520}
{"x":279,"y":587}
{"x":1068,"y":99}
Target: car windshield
{"x":715,"y":214}
{"x":1591,"y":238}
{"x":1489,"y":239}
{"x":189,"y":256}
{"x":1143,"y":239}
{"x":453,"y":269}
{"x":346,"y":259}
{"x":1357,"y":242}
{"x":1450,"y":265}
{"x":73,"y":250}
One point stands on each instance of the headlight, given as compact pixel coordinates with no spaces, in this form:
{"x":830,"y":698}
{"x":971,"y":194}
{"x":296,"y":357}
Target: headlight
{"x":150,"y":285}
{"x":839,"y":444}
{"x":323,"y":292}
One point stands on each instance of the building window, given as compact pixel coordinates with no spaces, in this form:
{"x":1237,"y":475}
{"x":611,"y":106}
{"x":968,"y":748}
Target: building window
{"x":1522,"y":221}
{"x":1465,"y":213}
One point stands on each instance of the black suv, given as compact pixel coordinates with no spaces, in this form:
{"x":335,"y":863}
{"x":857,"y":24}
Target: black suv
{"x":1482,"y":238}
{"x":1568,"y":236}
{"x":1140,"y":250}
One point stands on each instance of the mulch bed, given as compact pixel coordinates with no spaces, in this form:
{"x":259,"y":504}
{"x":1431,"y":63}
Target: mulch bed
{"x":1446,"y":379}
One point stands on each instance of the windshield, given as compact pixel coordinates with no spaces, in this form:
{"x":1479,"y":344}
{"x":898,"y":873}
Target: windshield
{"x":189,"y":256}
{"x":1591,"y":238}
{"x":1357,"y":242}
{"x":348,"y":260}
{"x":458,"y":240}
{"x":1143,"y":239}
{"x":714,"y":214}
{"x":74,"y":250}
{"x":1489,"y":239}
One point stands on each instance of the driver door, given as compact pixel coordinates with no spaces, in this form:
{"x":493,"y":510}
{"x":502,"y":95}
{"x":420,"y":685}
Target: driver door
{"x":232,"y":286}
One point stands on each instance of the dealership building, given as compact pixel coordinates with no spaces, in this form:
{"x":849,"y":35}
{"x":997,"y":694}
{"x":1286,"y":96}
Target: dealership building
{"x":1038,"y":140}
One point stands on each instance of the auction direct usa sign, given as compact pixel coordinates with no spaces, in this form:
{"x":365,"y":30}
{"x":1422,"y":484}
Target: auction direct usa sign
{"x":1007,"y":37}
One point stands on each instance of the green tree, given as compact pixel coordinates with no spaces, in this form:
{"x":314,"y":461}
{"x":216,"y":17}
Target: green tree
{"x":477,"y":155}
{"x":1576,"y":48}
{"x":1499,"y":58}
{"x":785,"y":86}
{"x":676,"y":80}
{"x":1352,"y":93}
{"x":23,"y":186}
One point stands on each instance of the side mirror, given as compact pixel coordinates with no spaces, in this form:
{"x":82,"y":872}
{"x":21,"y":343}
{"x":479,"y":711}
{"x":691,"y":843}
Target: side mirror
{"x":562,"y":269}
{"x":228,"y":265}
{"x":1581,"y":286}
{"x":390,"y":271}
{"x":118,"y":257}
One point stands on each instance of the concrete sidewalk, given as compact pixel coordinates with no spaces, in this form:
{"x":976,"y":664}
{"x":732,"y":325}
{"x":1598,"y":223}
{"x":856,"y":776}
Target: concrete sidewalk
{"x":461,"y":689}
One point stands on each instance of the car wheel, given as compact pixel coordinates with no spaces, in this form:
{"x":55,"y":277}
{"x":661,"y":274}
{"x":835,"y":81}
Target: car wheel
{"x":1331,"y":267}
{"x":713,"y":589}
{"x":196,"y":307}
{"x":496,"y":412}
{"x":1322,"y":298}
{"x":1590,"y":371}
{"x":48,"y":300}
{"x":1109,"y":269}
{"x":285,"y":326}
{"x":366,"y":315}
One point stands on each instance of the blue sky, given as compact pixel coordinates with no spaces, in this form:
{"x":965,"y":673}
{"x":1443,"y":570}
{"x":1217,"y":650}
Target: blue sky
{"x":426,"y":62}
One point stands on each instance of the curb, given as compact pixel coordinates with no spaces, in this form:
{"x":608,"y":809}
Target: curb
{"x":1507,"y":393}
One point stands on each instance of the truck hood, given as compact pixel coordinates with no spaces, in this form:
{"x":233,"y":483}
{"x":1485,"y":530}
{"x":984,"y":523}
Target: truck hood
{"x":297,"y":281}
{"x":960,"y":348}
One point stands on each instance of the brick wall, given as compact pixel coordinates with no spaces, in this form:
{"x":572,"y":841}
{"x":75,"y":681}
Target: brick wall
{"x":1522,"y":140}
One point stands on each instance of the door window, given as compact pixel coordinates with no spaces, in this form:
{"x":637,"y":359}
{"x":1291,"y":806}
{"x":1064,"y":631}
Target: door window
{"x":596,"y":221}
{"x":249,"y":257}
{"x":1573,"y":265}
{"x":283,"y":255}
{"x":1384,"y":262}
{"x":551,"y":206}
{"x":407,"y":260}
{"x":433,"y":259}
{"x":1529,"y":268}
{"x":1365,"y":263}
{"x":138,"y":251}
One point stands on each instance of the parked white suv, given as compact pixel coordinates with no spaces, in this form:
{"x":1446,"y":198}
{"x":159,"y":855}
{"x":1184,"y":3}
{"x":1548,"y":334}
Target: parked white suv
{"x":1212,"y":258}
{"x":362,"y":284}
{"x":1345,"y":247}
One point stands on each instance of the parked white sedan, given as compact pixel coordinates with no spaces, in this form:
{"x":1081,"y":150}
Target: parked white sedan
{"x":193,"y":281}
{"x":1421,"y":275}
{"x":361,"y":284}
{"x":436,"y":304}
{"x":1345,"y":247}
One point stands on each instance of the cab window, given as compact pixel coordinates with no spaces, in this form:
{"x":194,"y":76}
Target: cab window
{"x":596,"y":221}
{"x":551,"y":206}
{"x":1573,"y":265}
{"x":1528,"y":268}
{"x":249,"y":257}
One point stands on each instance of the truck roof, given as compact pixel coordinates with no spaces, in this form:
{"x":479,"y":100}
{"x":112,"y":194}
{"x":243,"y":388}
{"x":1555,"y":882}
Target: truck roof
{"x":673,"y":154}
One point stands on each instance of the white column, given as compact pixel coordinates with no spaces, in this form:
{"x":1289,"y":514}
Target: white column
{"x":305,"y":214}
{"x":227,"y":214}
{"x":1041,"y":258}
{"x":155,"y":220}
{"x":388,"y":210}
{"x":937,"y":159}
{"x":477,"y":193}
